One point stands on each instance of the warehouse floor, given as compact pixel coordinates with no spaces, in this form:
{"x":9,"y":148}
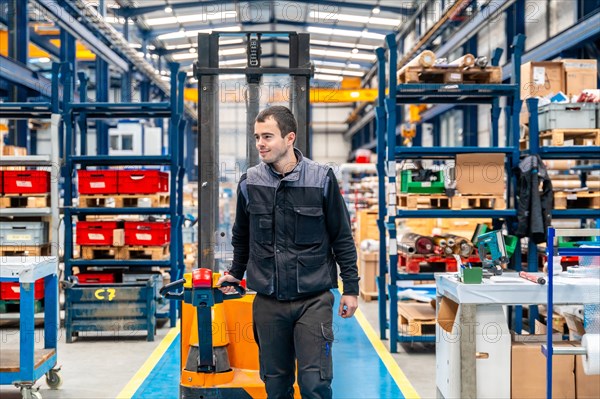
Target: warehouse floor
{"x":109,"y":366}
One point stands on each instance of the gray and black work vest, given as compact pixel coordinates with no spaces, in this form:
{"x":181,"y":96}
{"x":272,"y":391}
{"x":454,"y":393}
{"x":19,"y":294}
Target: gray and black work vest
{"x":290,"y":255}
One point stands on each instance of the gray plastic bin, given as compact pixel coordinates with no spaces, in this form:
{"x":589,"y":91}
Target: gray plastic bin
{"x":23,"y":233}
{"x":567,"y":116}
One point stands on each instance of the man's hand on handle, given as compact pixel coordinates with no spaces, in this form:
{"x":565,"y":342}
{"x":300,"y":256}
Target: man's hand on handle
{"x":348,"y":305}
{"x":230,"y":279}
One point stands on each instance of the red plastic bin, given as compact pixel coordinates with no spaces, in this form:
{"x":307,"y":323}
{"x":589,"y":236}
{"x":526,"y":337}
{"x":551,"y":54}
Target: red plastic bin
{"x":95,"y":233}
{"x":11,"y":291}
{"x":1,"y":182}
{"x":95,"y":278}
{"x":26,"y":182}
{"x":143,"y":182}
{"x":147,"y":233}
{"x":97,"y":181}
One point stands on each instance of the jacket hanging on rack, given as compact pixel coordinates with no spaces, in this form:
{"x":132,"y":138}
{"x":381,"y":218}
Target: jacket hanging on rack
{"x":534,"y":205}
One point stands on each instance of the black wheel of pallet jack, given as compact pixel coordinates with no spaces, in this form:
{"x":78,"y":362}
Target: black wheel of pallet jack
{"x":54,"y":379}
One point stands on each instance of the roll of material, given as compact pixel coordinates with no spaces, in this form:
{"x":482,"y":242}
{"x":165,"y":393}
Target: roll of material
{"x":591,"y":362}
{"x":567,"y":184}
{"x":467,"y":60}
{"x":425,"y":59}
{"x":419,"y":244}
{"x":560,"y":164}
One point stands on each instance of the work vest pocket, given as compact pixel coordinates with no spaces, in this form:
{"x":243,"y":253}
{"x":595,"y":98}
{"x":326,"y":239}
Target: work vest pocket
{"x":261,"y":223}
{"x":310,"y":224}
{"x":313,"y":273}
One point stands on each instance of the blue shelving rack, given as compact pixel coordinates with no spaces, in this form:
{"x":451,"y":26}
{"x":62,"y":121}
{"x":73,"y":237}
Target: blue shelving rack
{"x":389,"y":153}
{"x":553,"y":250}
{"x":77,"y":114}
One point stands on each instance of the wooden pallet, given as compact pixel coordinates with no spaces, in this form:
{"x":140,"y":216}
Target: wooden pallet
{"x":25,"y":250}
{"x":14,"y":306}
{"x":368,"y":296}
{"x":190,"y":248}
{"x":124,"y":200}
{"x":416,"y":319}
{"x":125,"y":252}
{"x":25,"y":201}
{"x":440,"y":201}
{"x":557,"y":137}
{"x":418,"y":74}
{"x":577,"y":200}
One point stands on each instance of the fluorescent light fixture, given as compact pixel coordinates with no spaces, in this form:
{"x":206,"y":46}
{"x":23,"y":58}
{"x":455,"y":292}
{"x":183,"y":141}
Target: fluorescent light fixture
{"x":233,"y":62}
{"x":330,"y":78}
{"x":354,"y":51}
{"x":341,"y":54}
{"x":376,"y":10}
{"x":39,"y":60}
{"x":179,"y":46}
{"x":232,"y":51}
{"x":343,"y":44}
{"x":184,"y":56}
{"x":192,"y":50}
{"x":182,"y":33}
{"x":338,"y":72}
{"x":116,"y":20}
{"x":191,"y":73}
{"x":336,"y":64}
{"x":168,"y":10}
{"x":224,"y":15}
{"x":344,"y":32}
{"x":135,"y":45}
{"x":327,"y":17}
{"x":225,"y":42}
{"x":165,"y":78}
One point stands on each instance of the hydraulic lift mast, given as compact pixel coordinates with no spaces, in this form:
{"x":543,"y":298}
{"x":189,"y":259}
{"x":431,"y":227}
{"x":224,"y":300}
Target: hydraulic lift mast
{"x":207,"y":71}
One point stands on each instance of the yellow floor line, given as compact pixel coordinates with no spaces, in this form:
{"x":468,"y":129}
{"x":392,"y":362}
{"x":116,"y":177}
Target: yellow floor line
{"x":139,"y":377}
{"x":395,"y":371}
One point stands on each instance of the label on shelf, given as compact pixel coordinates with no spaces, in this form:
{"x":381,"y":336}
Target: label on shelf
{"x":99,"y":184}
{"x":23,"y":183}
{"x":572,"y":197}
{"x":19,"y":237}
{"x":426,"y":184}
{"x":142,"y":236}
{"x":95,"y":236}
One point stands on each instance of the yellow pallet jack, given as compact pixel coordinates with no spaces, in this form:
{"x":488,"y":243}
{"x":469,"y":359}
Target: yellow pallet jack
{"x":219,"y":356}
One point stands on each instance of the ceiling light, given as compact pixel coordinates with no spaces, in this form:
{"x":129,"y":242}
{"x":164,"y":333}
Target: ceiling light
{"x":233,"y":62}
{"x":184,"y":56}
{"x":336,"y":64}
{"x":232,"y":51}
{"x":326,"y":17}
{"x":342,"y":44}
{"x":178,"y":46}
{"x":168,"y":10}
{"x":331,"y":78}
{"x":376,"y":10}
{"x":182,"y":33}
{"x":354,"y":51}
{"x":338,"y":72}
{"x":192,"y":18}
{"x":192,"y":50}
{"x":230,"y":41}
{"x":345,"y":32}
{"x":341,"y":54}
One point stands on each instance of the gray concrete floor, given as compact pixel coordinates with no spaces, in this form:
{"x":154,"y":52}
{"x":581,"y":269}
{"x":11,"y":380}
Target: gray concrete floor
{"x":101,"y":366}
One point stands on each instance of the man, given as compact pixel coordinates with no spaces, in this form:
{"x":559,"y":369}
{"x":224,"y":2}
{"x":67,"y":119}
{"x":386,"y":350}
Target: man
{"x":290,"y":230}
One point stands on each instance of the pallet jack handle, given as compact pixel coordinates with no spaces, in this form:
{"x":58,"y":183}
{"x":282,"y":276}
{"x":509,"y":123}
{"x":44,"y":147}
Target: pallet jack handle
{"x":165,"y":291}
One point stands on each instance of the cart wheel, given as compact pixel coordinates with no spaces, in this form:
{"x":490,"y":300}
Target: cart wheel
{"x":53,"y":379}
{"x":36,"y":395}
{"x":29,"y":393}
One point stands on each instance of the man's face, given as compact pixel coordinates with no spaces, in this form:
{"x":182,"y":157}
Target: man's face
{"x":271,"y":146}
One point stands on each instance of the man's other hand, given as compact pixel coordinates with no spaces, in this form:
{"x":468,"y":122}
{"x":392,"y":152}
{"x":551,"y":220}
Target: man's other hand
{"x":348,"y":305}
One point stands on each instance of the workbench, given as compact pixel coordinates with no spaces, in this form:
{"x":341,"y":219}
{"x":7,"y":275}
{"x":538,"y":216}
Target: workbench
{"x":472,"y":335}
{"x":24,"y":366}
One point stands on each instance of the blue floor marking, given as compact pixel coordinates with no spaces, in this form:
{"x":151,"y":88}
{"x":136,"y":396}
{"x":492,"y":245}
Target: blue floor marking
{"x":359,"y":373}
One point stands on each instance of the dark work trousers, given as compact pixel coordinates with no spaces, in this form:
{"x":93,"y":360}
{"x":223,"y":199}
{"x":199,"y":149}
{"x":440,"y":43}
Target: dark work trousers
{"x":302,"y":330}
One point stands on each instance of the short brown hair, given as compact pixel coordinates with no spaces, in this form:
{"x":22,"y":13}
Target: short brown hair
{"x":286,"y":122}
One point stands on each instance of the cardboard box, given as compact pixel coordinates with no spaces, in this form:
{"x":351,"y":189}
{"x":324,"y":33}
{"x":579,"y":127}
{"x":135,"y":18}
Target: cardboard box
{"x":368,"y":271}
{"x":586,"y":386}
{"x":538,"y":79}
{"x":528,"y":372}
{"x":480,"y":174}
{"x":580,"y":75}
{"x":118,"y":237}
{"x":367,"y":225}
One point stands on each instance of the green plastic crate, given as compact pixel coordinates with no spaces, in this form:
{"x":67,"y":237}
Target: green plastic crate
{"x":408,"y":186}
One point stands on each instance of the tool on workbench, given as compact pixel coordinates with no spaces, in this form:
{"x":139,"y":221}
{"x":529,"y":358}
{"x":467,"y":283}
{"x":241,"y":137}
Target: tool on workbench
{"x":492,"y":244}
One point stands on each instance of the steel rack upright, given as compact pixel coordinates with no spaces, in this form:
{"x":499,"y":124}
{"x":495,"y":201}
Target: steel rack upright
{"x":78,"y":113}
{"x":22,"y":367}
{"x":591,"y":286}
{"x":433,"y":93}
